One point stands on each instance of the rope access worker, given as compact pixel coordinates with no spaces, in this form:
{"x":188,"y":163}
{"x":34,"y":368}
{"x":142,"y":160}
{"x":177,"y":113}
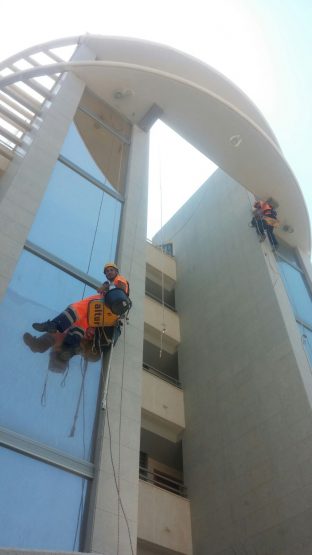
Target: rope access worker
{"x":75,"y":318}
{"x":264,"y":220}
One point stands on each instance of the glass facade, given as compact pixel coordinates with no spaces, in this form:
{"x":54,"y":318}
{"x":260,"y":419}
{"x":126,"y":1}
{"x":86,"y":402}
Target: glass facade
{"x":49,"y":402}
{"x":45,"y":399}
{"x":77,"y":222}
{"x":40,"y":504}
{"x":299,"y":294}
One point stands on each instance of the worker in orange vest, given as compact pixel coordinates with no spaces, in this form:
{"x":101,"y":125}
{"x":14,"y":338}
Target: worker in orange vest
{"x":264,"y":220}
{"x":75,"y":317}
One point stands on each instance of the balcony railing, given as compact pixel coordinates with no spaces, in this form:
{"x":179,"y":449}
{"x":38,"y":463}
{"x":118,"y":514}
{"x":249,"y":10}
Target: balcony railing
{"x":163,"y":248}
{"x":162,"y":481}
{"x":161,"y":375}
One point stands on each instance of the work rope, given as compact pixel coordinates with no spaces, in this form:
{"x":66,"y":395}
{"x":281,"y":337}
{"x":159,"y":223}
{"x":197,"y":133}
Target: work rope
{"x":163,"y":324}
{"x":93,"y":242}
{"x":104,"y":405}
{"x":119,"y":440}
{"x":44,"y":391}
{"x":83,"y":367}
{"x":81,"y":396}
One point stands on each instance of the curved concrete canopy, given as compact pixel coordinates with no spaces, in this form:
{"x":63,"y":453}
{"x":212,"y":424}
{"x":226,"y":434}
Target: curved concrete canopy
{"x":203,"y":107}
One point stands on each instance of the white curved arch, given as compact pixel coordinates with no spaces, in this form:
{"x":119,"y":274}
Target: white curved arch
{"x":203,"y":115}
{"x":65,"y":67}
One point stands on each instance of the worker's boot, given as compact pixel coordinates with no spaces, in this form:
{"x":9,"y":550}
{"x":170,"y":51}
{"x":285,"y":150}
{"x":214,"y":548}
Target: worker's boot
{"x":38,"y":344}
{"x":49,"y":326}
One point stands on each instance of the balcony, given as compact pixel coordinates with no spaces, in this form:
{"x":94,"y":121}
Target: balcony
{"x":156,"y":318}
{"x":159,"y":264}
{"x":164,"y":520}
{"x":162,"y":406}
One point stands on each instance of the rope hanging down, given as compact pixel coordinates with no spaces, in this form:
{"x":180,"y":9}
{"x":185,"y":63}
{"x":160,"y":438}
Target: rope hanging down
{"x":163,"y":324}
{"x":104,"y":406}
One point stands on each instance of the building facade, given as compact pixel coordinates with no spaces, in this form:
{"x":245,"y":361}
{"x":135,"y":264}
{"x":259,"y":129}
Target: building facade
{"x":206,"y":444}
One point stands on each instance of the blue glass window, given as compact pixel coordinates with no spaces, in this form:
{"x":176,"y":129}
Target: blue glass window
{"x":77,"y":222}
{"x":41,"y":506}
{"x":38,"y":397}
{"x":298,"y":291}
{"x":47,"y":400}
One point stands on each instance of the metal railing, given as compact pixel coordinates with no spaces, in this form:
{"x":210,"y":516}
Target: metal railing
{"x":159,"y":247}
{"x":24,"y":93}
{"x":162,"y":375}
{"x":162,"y":481}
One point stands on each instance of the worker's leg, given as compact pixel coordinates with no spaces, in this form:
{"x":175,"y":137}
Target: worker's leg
{"x":39,"y":344}
{"x":71,"y":344}
{"x":260,"y":229}
{"x":271,"y":236}
{"x":60,"y":323}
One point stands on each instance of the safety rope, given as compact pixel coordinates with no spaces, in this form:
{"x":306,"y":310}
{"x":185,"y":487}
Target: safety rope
{"x":84,"y":367}
{"x":44,"y":391}
{"x":116,"y":483}
{"x":163,"y":324}
{"x":93,"y":242}
{"x":83,"y":481}
{"x":63,"y":382}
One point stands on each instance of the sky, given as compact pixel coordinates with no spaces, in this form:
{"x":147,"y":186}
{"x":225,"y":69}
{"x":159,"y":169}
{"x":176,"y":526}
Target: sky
{"x":263,"y":46}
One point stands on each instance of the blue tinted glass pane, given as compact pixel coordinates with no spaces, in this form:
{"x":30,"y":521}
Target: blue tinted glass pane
{"x":77,"y":222}
{"x":306,"y":338}
{"x":38,"y":397}
{"x":288,"y":253}
{"x":76,"y":151}
{"x":40,"y":506}
{"x":298,"y":291}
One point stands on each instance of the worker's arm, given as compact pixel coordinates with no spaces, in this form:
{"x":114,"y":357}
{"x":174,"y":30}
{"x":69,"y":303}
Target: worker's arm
{"x":104,"y":288}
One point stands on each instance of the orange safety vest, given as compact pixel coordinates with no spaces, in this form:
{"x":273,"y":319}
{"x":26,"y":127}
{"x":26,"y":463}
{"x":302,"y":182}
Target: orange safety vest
{"x":81,"y":307}
{"x":121,"y":283}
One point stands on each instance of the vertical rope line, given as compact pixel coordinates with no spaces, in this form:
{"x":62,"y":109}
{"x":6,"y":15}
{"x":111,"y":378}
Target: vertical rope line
{"x":119,"y":431}
{"x":83,"y":370}
{"x":80,"y":396}
{"x":119,"y":169}
{"x":113,"y":233}
{"x":163,"y":325}
{"x":44,"y":391}
{"x":93,"y":242}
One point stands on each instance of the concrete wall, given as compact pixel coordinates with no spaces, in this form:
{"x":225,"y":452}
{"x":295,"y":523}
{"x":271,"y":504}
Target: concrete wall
{"x":107,"y":528}
{"x":248,"y":439}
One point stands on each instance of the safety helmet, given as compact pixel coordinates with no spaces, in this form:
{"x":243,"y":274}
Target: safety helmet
{"x":110,"y":265}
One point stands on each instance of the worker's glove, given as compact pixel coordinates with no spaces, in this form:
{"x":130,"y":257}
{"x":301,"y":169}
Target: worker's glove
{"x":104,"y":288}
